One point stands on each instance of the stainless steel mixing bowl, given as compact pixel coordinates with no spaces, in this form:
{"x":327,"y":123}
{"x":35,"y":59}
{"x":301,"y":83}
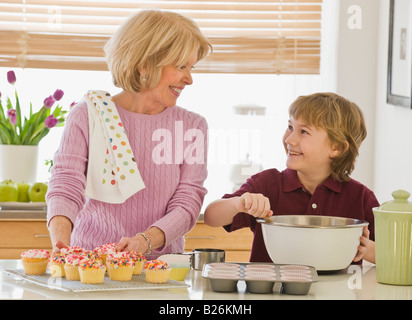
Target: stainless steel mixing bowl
{"x":324,"y":242}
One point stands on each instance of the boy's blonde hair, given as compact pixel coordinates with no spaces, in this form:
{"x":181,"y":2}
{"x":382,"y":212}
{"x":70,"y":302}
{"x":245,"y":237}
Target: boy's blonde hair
{"x":148,"y":41}
{"x":341,"y":119}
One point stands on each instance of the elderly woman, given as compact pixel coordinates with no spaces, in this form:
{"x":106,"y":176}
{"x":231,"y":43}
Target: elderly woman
{"x":150,"y":57}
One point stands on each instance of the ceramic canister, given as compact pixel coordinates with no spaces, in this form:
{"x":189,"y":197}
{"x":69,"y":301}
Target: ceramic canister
{"x":393,"y":240}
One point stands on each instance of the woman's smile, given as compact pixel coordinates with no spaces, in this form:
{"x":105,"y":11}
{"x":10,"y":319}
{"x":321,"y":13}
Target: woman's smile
{"x":176,"y":90}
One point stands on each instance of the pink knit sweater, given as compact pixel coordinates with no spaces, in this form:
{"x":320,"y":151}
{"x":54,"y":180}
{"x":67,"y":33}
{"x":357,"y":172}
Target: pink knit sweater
{"x":170,"y":150}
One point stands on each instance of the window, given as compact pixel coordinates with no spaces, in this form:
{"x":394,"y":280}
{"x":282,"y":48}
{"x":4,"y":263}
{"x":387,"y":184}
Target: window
{"x":259,"y":36}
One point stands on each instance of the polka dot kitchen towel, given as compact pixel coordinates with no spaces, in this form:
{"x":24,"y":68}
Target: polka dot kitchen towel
{"x":112,"y":173}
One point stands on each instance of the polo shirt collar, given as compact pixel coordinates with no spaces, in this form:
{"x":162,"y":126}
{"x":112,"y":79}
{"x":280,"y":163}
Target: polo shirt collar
{"x":291,"y":182}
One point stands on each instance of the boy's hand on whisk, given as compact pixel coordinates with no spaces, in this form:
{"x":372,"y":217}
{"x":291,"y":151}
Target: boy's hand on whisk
{"x":254,"y":204}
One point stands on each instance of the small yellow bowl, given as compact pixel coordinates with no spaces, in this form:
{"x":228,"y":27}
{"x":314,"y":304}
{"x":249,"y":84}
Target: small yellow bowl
{"x":178,"y":274}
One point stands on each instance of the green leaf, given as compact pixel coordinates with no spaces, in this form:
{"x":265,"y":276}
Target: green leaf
{"x":35,"y":139}
{"x":9,"y":105}
{"x":40,"y":131}
{"x":56,"y":111}
{"x":2,"y":115}
{"x":18,"y":113}
{"x":11,"y":130}
{"x":5,"y":133}
{"x":41,"y":116}
{"x":27,"y":131}
{"x":60,"y":123}
{"x":35,"y":118}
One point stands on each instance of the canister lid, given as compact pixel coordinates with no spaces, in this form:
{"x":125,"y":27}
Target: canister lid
{"x":399,"y":204}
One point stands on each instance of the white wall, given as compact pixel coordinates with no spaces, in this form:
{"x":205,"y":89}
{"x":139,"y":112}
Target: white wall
{"x":393,"y":134}
{"x":356,"y":72}
{"x":385,"y":162}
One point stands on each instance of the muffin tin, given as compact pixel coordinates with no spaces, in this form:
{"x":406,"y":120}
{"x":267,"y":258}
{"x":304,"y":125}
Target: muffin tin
{"x":260,"y":277}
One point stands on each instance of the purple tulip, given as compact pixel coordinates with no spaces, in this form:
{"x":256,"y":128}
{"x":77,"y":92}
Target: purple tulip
{"x":11,"y":77}
{"x":48,"y":102}
{"x":12,"y":116}
{"x":50,"y":121}
{"x":58,"y":94}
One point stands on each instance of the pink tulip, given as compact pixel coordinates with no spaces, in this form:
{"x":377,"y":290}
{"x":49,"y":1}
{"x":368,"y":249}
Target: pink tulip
{"x":58,"y":94}
{"x":12,"y":116}
{"x":11,"y":77}
{"x":50,"y":121}
{"x":48,"y":102}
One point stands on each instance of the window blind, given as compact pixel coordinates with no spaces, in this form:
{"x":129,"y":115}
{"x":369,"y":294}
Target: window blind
{"x":248,"y":36}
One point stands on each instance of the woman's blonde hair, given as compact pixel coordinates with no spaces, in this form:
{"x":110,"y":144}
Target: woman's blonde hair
{"x":341,"y":119}
{"x":148,"y":41}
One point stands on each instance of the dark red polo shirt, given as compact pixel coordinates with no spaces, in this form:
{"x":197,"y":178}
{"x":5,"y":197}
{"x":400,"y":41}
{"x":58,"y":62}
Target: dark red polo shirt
{"x":287,"y":196}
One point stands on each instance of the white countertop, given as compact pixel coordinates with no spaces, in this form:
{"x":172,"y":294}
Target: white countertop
{"x":354,"y":283}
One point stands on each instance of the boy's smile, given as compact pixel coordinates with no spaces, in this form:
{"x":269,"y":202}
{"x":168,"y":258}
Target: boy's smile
{"x":309,"y":150}
{"x":293,"y":153}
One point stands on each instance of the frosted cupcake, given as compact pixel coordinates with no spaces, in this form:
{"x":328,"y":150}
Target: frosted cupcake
{"x":139,"y":261}
{"x":179,"y":264}
{"x":120,"y":266}
{"x":157,"y":271}
{"x":91,"y":255}
{"x":72,"y":249}
{"x":71,"y":267}
{"x":56,"y":265}
{"x":35,"y":261}
{"x":91,"y":271}
{"x":106,"y":249}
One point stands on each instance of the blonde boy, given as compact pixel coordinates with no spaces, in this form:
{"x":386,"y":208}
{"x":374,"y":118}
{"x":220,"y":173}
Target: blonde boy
{"x":321,"y":141}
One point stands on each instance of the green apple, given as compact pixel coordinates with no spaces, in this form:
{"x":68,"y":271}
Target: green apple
{"x":23,"y":188}
{"x":8,"y":191}
{"x":37,"y":192}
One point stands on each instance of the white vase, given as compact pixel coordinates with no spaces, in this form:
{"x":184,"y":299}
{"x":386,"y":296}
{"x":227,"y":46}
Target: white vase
{"x":18,"y":162}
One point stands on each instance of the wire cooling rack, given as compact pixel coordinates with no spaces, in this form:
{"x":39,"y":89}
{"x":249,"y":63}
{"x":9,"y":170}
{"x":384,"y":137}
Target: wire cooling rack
{"x":138,"y":282}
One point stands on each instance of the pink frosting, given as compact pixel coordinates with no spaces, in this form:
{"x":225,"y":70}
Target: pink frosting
{"x":36,"y":253}
{"x":75,"y":259}
{"x":107,"y":248}
{"x":72,"y":249}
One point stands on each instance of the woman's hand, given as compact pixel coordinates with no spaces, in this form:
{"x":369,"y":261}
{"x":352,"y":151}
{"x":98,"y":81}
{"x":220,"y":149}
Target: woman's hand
{"x":60,"y":229}
{"x":255,"y":204}
{"x":58,"y":245}
{"x":139,"y":243}
{"x":364,"y":246}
